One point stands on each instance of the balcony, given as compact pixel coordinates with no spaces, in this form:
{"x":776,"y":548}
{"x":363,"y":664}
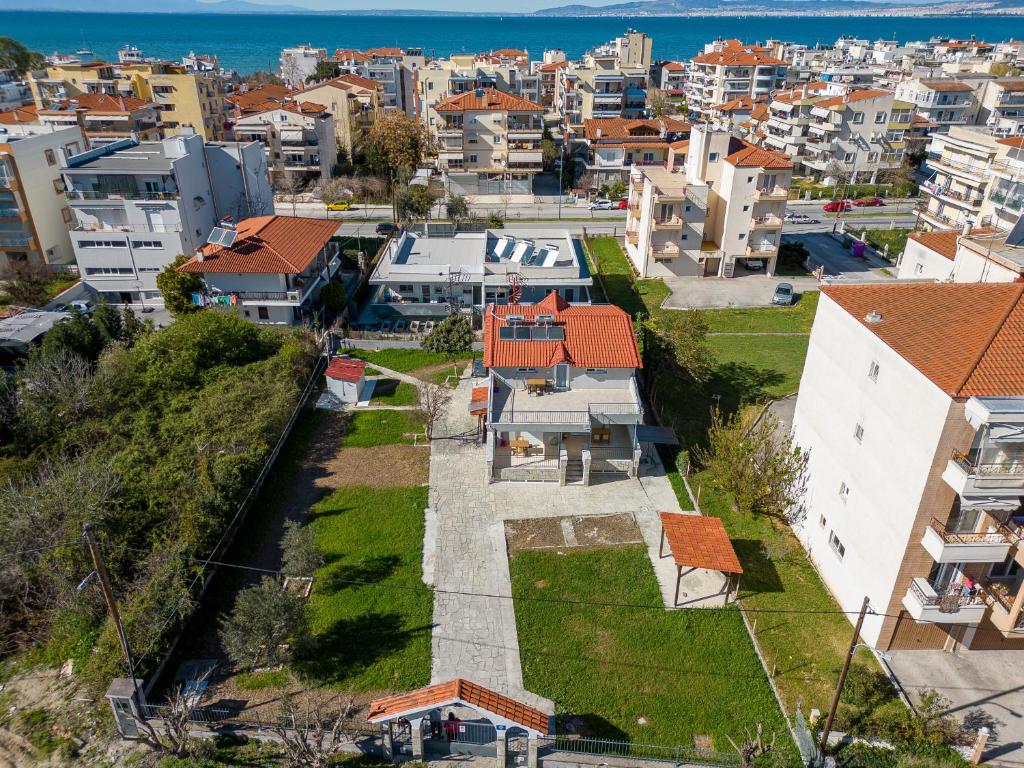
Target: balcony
{"x":923,"y":603}
{"x":965,"y":199}
{"x":978,"y":171}
{"x":1005,"y":200}
{"x":771,"y":194}
{"x":1005,"y":604}
{"x":15,"y":240}
{"x":632,"y":236}
{"x":766,"y":222}
{"x":121,"y":194}
{"x":263,"y":297}
{"x":946,"y":546}
{"x":668,"y":222}
{"x":665,"y":251}
{"x":762,"y":250}
{"x":637,"y":182}
{"x":999,"y":479}
{"x":8,"y":182}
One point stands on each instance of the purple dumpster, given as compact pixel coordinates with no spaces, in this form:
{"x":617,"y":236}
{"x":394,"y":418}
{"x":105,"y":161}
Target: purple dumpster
{"x":857,"y":249}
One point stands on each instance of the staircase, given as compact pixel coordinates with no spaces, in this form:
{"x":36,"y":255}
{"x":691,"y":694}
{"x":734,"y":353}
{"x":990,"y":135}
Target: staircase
{"x":574,"y":473}
{"x":730,"y":266}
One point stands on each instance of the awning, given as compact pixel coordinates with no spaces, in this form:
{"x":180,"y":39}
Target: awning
{"x":661,"y":435}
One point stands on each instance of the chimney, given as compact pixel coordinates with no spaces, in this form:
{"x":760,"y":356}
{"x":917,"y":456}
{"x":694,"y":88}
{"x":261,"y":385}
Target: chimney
{"x":803,"y":92}
{"x":968,"y":228}
{"x":598,"y":133}
{"x":200,"y":256}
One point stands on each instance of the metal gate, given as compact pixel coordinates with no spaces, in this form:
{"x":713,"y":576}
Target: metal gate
{"x":517,"y":748}
{"x":459,"y":737}
{"x":401,"y":737}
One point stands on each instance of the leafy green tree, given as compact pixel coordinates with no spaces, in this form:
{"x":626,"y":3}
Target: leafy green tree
{"x":108,"y":323}
{"x":548,"y":149}
{"x":300,"y":556}
{"x":131,"y":327}
{"x":452,"y":337}
{"x":417,"y":202}
{"x":394,"y":144}
{"x":265,"y":618}
{"x":77,"y":334}
{"x":178,"y":287}
{"x":325,"y":70}
{"x":14,"y":55}
{"x":333,"y":297}
{"x":457,"y":208}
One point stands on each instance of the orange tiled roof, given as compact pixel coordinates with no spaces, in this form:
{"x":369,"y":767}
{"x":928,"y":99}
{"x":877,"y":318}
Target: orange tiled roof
{"x":943,"y":241}
{"x":739,"y":104}
{"x":966,"y":338}
{"x":1017,"y":142}
{"x":699,"y":542}
{"x":454,"y":691}
{"x":478,"y":399}
{"x":596,"y":336}
{"x":853,"y":96}
{"x":279,"y":245}
{"x":490,"y":99}
{"x":681,"y":144}
{"x":26,"y":114}
{"x":393,"y":51}
{"x":673,"y":66}
{"x":101,"y":103}
{"x":621,"y":129}
{"x":947,"y":86}
{"x":258,"y":96}
{"x":1011,"y":85}
{"x":751,"y":156}
{"x":759,"y":112}
{"x":350,"y":54}
{"x":509,"y":53}
{"x":553,"y":66}
{"x":346,"y":369}
{"x":734,"y":53}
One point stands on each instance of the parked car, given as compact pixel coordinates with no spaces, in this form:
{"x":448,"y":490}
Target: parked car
{"x":620,"y":204}
{"x":341,"y":205}
{"x":384,"y":228}
{"x":869,"y":202}
{"x":602,"y":204}
{"x":755,"y":265}
{"x":84,"y":306}
{"x":783,"y":294}
{"x":837,"y":206}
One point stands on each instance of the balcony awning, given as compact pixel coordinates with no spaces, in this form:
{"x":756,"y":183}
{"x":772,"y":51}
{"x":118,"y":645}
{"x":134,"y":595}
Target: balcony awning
{"x":660,"y":435}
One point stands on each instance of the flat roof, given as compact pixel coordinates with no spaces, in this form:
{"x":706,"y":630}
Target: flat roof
{"x":666,"y":181}
{"x":141,"y":156}
{"x":24,"y":328}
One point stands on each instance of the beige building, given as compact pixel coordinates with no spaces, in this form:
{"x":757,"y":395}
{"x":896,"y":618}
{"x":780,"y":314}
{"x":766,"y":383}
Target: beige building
{"x":1001,"y":106}
{"x":298,"y":137}
{"x":715,"y":209}
{"x":942,"y":102}
{"x":489,"y":142}
{"x":465,"y":73}
{"x":34,"y":215}
{"x":353,"y":100}
{"x":727,"y":70}
{"x":615,"y":145}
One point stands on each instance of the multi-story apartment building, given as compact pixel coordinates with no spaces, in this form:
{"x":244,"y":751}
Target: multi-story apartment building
{"x":395,"y":70}
{"x":615,"y":145}
{"x":299,"y":62}
{"x":859,"y":134}
{"x":104,"y":118}
{"x":189,"y":101}
{"x":353,"y":101}
{"x":631,"y":51}
{"x":943,"y":103}
{"x":787,"y":124}
{"x":60,"y":82}
{"x":608,"y":92}
{"x":717,"y":205}
{"x":1001,"y":106}
{"x":298,"y":137}
{"x":672,"y":77}
{"x":935,"y":546}
{"x":729,"y":69}
{"x":34,"y":215}
{"x":272,"y":271}
{"x":444,"y":78}
{"x":136,"y":206}
{"x":14,"y":90}
{"x":550,"y":83}
{"x":428,"y":278}
{"x":489,"y":142}
{"x":961,"y":256}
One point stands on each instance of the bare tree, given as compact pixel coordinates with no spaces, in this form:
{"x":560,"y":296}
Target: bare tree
{"x":433,"y":403}
{"x":753,"y":748}
{"x":169,"y":734}
{"x":314,"y":737}
{"x":289,"y":185}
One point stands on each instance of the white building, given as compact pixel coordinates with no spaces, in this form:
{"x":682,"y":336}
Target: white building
{"x":136,"y":206}
{"x":34,"y":213}
{"x":729,"y":69}
{"x":942,"y":102}
{"x":914,"y":507}
{"x":969,"y":256}
{"x":300,"y":62}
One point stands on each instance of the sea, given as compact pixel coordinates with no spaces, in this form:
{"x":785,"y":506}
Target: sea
{"x":249,"y":42}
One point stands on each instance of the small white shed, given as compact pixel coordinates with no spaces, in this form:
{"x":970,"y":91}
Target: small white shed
{"x":346,"y":379}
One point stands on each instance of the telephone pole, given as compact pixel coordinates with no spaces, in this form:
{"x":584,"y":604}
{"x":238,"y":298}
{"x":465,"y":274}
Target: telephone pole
{"x":108,"y":594}
{"x":842,"y":677}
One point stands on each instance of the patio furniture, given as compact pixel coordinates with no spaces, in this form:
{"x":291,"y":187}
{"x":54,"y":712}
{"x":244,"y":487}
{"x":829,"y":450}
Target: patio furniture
{"x":536,"y":386}
{"x":519,"y":447}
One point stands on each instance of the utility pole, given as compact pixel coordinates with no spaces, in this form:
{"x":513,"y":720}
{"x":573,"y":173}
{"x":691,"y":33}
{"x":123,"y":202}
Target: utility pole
{"x":108,"y":593}
{"x":842,"y":677}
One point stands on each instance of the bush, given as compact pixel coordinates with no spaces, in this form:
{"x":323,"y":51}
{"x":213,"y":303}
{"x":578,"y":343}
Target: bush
{"x":265,"y":618}
{"x":452,"y":337}
{"x":494,"y":221}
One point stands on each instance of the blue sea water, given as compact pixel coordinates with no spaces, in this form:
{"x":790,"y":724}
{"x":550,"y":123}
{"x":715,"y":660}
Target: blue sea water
{"x":251,"y":42}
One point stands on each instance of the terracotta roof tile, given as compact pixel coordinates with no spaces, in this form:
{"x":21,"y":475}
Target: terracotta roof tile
{"x":513,"y":53}
{"x":490,"y":99}
{"x":553,"y":66}
{"x":621,"y":128}
{"x":455,"y":691}
{"x":596,"y":336}
{"x":283,"y":245}
{"x":385,"y":52}
{"x":967,"y":338}
{"x":1011,"y":85}
{"x":740,"y":104}
{"x":751,"y":156}
{"x":1012,"y":141}
{"x":943,"y":241}
{"x":350,"y":54}
{"x":345,"y":369}
{"x":27,"y":114}
{"x":673,"y":66}
{"x":734,"y":53}
{"x":699,"y":542}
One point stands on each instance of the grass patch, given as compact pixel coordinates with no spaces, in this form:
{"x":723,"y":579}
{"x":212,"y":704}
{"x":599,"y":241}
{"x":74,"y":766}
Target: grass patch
{"x":686,"y":673}
{"x":256,"y":681}
{"x":401,"y":360}
{"x":369,"y":428}
{"x":761,"y":366}
{"x":369,"y":638}
{"x":794,"y":319}
{"x":393,"y":392}
{"x":896,"y":239}
{"x":443,"y":374}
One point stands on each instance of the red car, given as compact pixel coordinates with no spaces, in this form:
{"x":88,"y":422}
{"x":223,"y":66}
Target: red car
{"x":621,"y":204}
{"x":869,"y":202}
{"x":836,"y":206}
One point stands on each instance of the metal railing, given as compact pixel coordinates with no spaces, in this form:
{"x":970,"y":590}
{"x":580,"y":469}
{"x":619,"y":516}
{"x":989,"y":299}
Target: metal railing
{"x":15,"y":241}
{"x":950,"y":602}
{"x":627,"y":749}
{"x":966,"y":537}
{"x":269,"y":295}
{"x":514,"y":416}
{"x":988,"y":469}
{"x":981,"y":171}
{"x":207,"y":715}
{"x":138,"y":194}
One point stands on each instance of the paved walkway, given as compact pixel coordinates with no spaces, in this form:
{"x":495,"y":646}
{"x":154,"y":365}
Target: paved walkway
{"x":475,"y":635}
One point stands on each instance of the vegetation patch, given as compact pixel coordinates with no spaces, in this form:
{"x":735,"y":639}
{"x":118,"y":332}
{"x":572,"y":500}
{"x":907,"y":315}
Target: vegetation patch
{"x":401,"y":360}
{"x":895,"y":239}
{"x":369,"y":428}
{"x":393,"y":392}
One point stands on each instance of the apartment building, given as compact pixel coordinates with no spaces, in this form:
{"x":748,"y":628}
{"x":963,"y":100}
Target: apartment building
{"x":734,"y":112}
{"x":562,"y":402}
{"x":943,"y":103}
{"x":861,"y":133}
{"x":961,"y":256}
{"x":66,"y":80}
{"x":298,"y":138}
{"x":395,"y":70}
{"x":1001,"y":106}
{"x":136,"y":205}
{"x":787,"y":125}
{"x":189,"y":101}
{"x":550,"y":83}
{"x":714,"y":210}
{"x":103,"y":118}
{"x":34,"y":214}
{"x":428,"y":278}
{"x":353,"y":101}
{"x":727,"y":70}
{"x":299,"y":62}
{"x":631,"y":51}
{"x":672,"y":77}
{"x":443,"y":78}
{"x":489,"y":142}
{"x":14,"y":91}
{"x":935,"y":546}
{"x":615,"y":145}
{"x":271,"y":270}
{"x":587,"y":93}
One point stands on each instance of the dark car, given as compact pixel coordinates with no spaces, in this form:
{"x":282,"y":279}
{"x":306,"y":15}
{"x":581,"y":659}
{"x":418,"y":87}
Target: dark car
{"x":869,"y":202}
{"x":385,"y":228}
{"x":783,"y":294}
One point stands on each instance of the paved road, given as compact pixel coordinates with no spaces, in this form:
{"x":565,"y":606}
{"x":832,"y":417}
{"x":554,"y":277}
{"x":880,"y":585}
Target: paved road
{"x":544,"y":208}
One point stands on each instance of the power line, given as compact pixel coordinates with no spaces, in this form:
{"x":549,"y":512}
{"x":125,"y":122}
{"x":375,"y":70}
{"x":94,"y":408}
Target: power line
{"x":19,"y":552}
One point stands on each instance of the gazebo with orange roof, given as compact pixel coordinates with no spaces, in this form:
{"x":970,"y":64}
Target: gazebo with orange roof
{"x":696,"y":541}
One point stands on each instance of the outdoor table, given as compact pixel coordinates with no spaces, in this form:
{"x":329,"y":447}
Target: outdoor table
{"x":536,"y":385}
{"x":520,"y":446}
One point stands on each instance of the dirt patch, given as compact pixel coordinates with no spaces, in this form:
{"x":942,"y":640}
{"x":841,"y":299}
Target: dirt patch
{"x":268,"y":703}
{"x":381,"y":466}
{"x":429,"y":372}
{"x":588,"y":531}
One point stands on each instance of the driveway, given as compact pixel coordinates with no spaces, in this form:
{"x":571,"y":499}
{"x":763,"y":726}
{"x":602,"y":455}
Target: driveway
{"x":984,"y":688}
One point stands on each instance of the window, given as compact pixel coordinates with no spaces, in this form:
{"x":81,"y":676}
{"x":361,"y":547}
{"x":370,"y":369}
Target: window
{"x":497,"y":139}
{"x":836,"y":544}
{"x":109,"y":271}
{"x":150,"y":269}
{"x":405,"y":289}
{"x":873,"y":371}
{"x":848,"y":157}
{"x":67,"y":215}
{"x":688,"y":208}
{"x":58,"y":186}
{"x":713,"y":157}
{"x":822,"y":521}
{"x":262,"y":313}
{"x":596,"y":370}
{"x":746,"y":208}
{"x":147,"y":244}
{"x":879,"y":117}
{"x":844,"y":491}
{"x":102,"y":244}
{"x":684,"y":236}
{"x":858,"y":433}
{"x":858,"y":118}
{"x":51,"y":156}
{"x":750,"y":180}
{"x":472,"y":158}
{"x":526,"y":370}
{"x":741,"y":236}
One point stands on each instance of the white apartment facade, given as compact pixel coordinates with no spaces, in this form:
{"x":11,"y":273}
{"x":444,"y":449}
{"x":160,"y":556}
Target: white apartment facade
{"x":715,"y":209}
{"x":298,"y":137}
{"x":442,"y":79}
{"x":1001,"y":106}
{"x":728,"y":70}
{"x":914,"y":508}
{"x":34,"y":213}
{"x":299,"y":62}
{"x":136,"y":206}
{"x":942,"y":102}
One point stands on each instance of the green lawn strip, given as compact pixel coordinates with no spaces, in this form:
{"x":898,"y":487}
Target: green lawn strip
{"x":687,"y":673}
{"x":794,"y":319}
{"x":369,"y":638}
{"x":806,"y":649}
{"x":597,"y":294}
{"x":896,"y":239}
{"x":393,"y":392}
{"x":449,"y":373}
{"x":401,"y":360}
{"x":617,"y":274}
{"x":369,"y":428}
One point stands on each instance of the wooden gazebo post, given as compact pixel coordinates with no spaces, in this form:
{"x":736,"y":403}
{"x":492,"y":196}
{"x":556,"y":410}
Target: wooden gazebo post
{"x":679,"y":579}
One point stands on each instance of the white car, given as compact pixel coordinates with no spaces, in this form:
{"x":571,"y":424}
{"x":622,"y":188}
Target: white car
{"x":755,"y":265}
{"x":601,"y":205}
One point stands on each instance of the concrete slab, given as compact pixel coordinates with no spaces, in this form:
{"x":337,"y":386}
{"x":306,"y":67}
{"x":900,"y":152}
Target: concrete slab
{"x":984,"y":688}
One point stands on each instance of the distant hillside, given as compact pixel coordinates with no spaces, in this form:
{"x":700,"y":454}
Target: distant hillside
{"x":146,"y":6}
{"x":790,"y":8}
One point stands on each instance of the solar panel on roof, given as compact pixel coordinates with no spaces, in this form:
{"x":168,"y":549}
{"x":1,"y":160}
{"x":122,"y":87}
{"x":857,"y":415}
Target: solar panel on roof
{"x":228,"y":238}
{"x":556,"y":333}
{"x":215,"y":234}
{"x":522,"y":332}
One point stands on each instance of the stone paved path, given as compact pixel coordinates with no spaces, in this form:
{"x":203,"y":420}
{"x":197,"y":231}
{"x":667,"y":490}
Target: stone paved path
{"x":475,"y":635}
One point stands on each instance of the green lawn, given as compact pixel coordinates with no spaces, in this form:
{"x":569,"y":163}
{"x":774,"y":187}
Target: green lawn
{"x":369,"y":428}
{"x":760,"y":366}
{"x":687,"y":673}
{"x":369,"y":638}
{"x":794,"y":319}
{"x":616,"y":273}
{"x":896,"y":239}
{"x":392,"y":392}
{"x":401,"y":360}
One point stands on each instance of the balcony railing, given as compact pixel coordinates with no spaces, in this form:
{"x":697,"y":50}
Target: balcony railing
{"x":993,"y":469}
{"x":947,"y":602}
{"x":15,"y":240}
{"x":88,"y":194}
{"x":667,"y":222}
{"x":293,"y":296}
{"x":974,"y":169}
{"x":774,"y":193}
{"x":765,"y":222}
{"x":966,"y":537}
{"x":1013,"y":202}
